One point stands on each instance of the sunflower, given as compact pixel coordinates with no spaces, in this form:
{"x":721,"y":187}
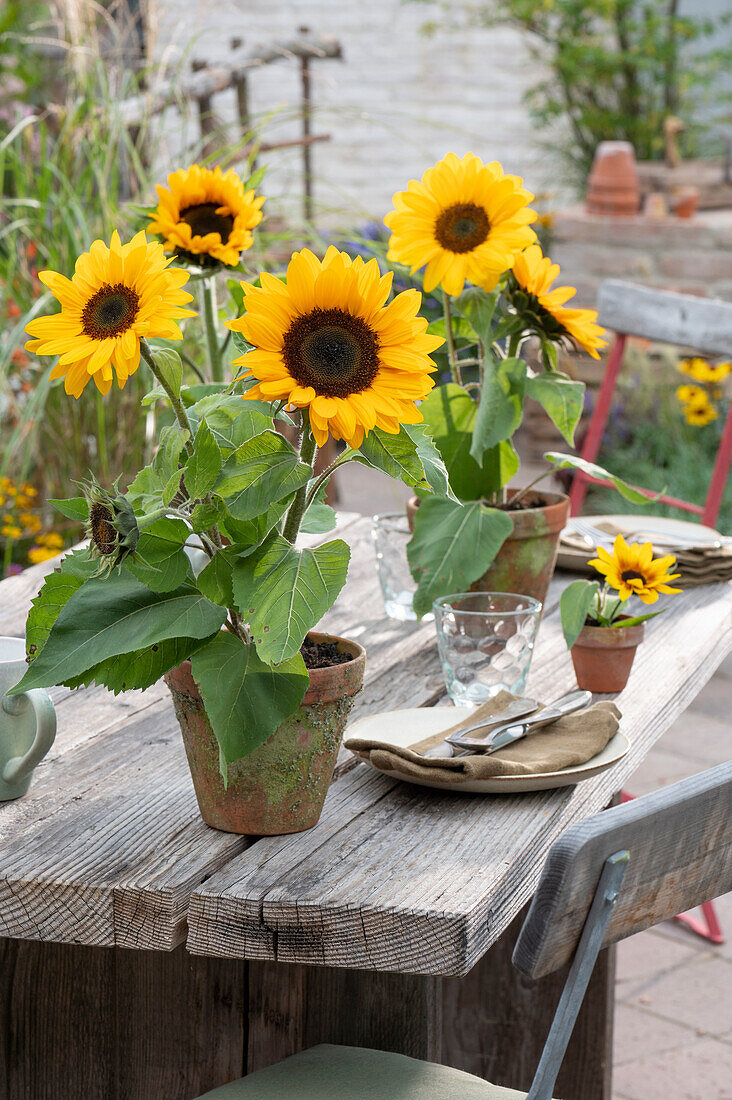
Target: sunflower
{"x":324,"y":340}
{"x":544,"y":309}
{"x":633,"y":572}
{"x":116,"y":296}
{"x":465,"y":221}
{"x":206,"y":215}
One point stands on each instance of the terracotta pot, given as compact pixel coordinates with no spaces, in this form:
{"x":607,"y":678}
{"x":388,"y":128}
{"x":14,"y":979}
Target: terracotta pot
{"x":603,"y":656}
{"x":614,"y":186}
{"x":280,"y":787}
{"x":525,"y":563}
{"x":685,"y":202}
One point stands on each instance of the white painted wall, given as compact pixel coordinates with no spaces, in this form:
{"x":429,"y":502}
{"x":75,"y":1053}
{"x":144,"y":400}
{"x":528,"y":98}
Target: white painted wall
{"x":399,"y":101}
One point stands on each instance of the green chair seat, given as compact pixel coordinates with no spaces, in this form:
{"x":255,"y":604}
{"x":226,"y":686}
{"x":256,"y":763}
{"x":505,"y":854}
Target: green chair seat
{"x":357,"y":1073}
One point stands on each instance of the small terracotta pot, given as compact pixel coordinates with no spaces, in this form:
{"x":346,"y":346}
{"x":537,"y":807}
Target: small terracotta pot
{"x":280,"y":787}
{"x":603,"y":656}
{"x":614,"y":186}
{"x":685,"y":202}
{"x":525,"y":563}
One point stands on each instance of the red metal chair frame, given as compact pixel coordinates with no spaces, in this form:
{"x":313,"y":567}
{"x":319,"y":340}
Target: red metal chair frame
{"x":681,"y":319}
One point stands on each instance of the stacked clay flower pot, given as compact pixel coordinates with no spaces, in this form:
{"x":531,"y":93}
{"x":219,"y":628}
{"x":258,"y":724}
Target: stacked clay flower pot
{"x":614,"y":187}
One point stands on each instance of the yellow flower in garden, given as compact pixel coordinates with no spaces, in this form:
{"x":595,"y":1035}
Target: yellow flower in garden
{"x":325,"y":340}
{"x":204,"y":213}
{"x":701,"y":414}
{"x":10,"y":529}
{"x":701,"y":371}
{"x":117,"y":295}
{"x":692,"y":395}
{"x":51,"y":539}
{"x":31,"y":523}
{"x":633,"y":571}
{"x":545,"y":311}
{"x":37,"y":554}
{"x":466,"y":220}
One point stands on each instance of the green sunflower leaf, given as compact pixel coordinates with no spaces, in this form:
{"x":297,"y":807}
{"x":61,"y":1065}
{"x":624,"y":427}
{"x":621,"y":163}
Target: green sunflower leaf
{"x":170,"y":366}
{"x":407,"y":455}
{"x":140,"y":669}
{"x":453,"y":544}
{"x":106,"y":617}
{"x":245,"y":699}
{"x":283,"y":592}
{"x":561,"y":398}
{"x":59,"y":586}
{"x":159,"y":560}
{"x":230,"y":419}
{"x":501,"y":404}
{"x":574,"y":606}
{"x":215,"y":579}
{"x":75,"y":508}
{"x":204,"y":465}
{"x":449,"y":415}
{"x":320,"y":517}
{"x":258,"y":473}
{"x":574,"y":462}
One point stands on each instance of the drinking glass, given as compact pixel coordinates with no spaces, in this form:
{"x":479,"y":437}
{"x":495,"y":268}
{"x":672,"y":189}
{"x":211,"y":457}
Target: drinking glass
{"x":485,"y":641}
{"x":390,"y":533}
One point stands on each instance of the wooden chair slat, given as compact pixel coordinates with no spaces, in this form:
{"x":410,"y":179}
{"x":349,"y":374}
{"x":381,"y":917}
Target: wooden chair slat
{"x":704,"y":324}
{"x":680,"y":844}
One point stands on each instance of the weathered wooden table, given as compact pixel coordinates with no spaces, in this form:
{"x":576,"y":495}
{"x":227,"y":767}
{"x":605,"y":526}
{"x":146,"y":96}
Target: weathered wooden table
{"x":148,"y":956}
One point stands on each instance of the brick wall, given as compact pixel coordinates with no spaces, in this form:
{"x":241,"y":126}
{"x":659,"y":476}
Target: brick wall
{"x":397,"y":102}
{"x":693,"y":256}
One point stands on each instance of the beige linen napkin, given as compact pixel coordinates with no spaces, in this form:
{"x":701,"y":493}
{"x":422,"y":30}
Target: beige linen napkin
{"x":572,"y":740}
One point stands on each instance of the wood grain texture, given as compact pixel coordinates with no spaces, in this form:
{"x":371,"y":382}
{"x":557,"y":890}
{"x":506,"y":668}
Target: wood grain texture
{"x":109,"y":1024}
{"x":680,"y":844}
{"x":108,"y":844}
{"x":398,"y":878}
{"x":497,"y":1021}
{"x":683,"y":319}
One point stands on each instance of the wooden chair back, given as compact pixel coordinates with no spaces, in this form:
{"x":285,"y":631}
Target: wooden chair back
{"x":704,"y":324}
{"x":680,"y":844}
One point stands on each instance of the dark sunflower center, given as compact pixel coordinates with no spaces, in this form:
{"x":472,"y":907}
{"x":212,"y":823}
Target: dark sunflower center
{"x":632,"y":575}
{"x":332,"y":351}
{"x":203,"y":219}
{"x":103,"y":533}
{"x":110,"y":311}
{"x":462,"y":227}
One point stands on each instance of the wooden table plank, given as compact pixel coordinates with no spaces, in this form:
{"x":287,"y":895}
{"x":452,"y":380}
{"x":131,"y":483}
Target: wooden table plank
{"x":403,"y":879}
{"x":108,"y":844}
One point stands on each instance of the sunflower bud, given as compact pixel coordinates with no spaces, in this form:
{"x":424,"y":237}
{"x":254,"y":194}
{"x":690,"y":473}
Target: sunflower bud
{"x":112,"y":527}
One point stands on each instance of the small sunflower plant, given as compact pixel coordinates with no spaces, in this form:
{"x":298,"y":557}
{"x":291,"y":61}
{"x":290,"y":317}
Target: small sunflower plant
{"x":629,"y":572}
{"x":197,"y":555}
{"x":467,"y":226}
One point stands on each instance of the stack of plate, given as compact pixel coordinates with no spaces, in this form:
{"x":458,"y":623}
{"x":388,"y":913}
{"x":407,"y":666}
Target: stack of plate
{"x":703,"y":556}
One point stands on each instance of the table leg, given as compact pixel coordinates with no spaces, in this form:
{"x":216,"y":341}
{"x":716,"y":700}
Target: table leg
{"x":496,"y":1022}
{"x":294,"y":1007}
{"x":112,"y":1024}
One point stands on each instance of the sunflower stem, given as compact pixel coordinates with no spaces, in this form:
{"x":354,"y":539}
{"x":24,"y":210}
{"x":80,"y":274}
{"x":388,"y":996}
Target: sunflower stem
{"x":175,"y":401}
{"x":348,"y":456}
{"x":297,"y":508}
{"x":450,"y":338}
{"x":102,"y":438}
{"x":208,"y":308}
{"x":513,"y":345}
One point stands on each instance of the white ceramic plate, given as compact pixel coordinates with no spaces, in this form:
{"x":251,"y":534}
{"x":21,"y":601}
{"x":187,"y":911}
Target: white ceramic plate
{"x":406,"y":727}
{"x":678,"y":532}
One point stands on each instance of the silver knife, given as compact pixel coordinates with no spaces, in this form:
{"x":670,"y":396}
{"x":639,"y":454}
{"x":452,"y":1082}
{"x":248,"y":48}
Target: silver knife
{"x":507,"y":734}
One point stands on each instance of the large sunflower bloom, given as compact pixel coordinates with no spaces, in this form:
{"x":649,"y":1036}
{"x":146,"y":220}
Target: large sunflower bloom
{"x":465,"y":221}
{"x":544,"y":308}
{"x":206,"y":214}
{"x":324,"y":340}
{"x":633,"y":572}
{"x":116,"y":296}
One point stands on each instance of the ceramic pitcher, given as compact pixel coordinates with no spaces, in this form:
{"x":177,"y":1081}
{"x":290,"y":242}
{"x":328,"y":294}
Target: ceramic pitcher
{"x":27,"y":723}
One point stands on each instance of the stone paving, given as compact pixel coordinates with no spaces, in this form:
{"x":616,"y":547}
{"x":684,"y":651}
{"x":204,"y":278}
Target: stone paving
{"x":673,"y":1023}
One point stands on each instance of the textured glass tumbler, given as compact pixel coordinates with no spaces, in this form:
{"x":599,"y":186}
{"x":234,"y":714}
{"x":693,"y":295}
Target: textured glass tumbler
{"x":485,"y":641}
{"x":390,"y":534}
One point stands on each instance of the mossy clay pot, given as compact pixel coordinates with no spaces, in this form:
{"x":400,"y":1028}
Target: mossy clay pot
{"x":281,"y":786}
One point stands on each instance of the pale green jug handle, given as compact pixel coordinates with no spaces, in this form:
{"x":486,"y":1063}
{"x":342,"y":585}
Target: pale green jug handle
{"x":20,"y":767}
